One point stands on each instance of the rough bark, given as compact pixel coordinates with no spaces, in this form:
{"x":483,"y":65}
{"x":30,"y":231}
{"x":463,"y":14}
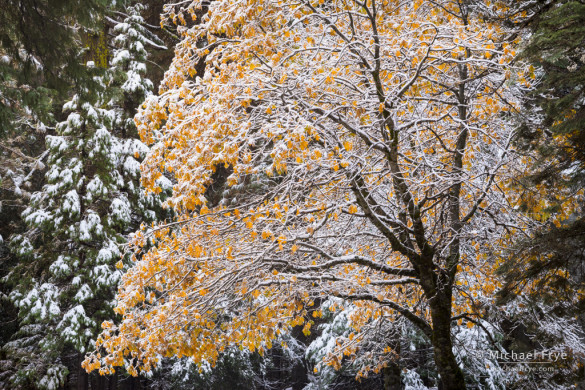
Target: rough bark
{"x":450,"y":372}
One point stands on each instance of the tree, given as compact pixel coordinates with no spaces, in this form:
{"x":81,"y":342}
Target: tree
{"x":40,"y":42}
{"x":70,"y":256}
{"x":382,"y":131}
{"x":40,"y":45}
{"x":544,"y":272}
{"x":550,"y":262}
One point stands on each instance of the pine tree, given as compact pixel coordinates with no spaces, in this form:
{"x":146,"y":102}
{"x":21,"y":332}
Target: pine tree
{"x":39,"y":48}
{"x":545,"y":272}
{"x":70,"y":263}
{"x":551,"y":262}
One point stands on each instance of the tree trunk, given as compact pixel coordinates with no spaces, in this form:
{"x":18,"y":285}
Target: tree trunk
{"x":391,"y":373}
{"x":451,"y":374}
{"x":392,"y":379}
{"x":82,"y":376}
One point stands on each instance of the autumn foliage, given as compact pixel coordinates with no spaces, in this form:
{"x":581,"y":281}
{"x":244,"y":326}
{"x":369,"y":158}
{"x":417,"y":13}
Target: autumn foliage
{"x":329,"y":148}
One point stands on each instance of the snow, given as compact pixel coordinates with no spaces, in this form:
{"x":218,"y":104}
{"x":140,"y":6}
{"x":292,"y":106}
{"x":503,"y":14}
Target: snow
{"x":140,"y":68}
{"x":71,"y":326}
{"x":118,"y":179}
{"x":37,"y":217}
{"x":131,"y":166}
{"x":107,"y":253}
{"x":40,"y":300}
{"x":62,"y":178}
{"x":102,"y":275}
{"x":121,"y":27}
{"x":120,"y":57}
{"x":102,"y":137}
{"x":412,"y":381}
{"x":72,"y":104}
{"x":83,"y":294}
{"x":133,"y":82}
{"x":25,"y":246}
{"x":91,"y":224}
{"x":138,"y":47}
{"x":120,"y":210}
{"x":54,"y":309}
{"x":571,"y":170}
{"x":109,"y":116}
{"x":74,"y":120}
{"x":57,"y":143}
{"x":471,"y":343}
{"x":95,"y":189}
{"x":164,"y":183}
{"x":60,"y":267}
{"x":54,"y":378}
{"x":90,"y":112}
{"x":136,"y":146}
{"x":71,"y":203}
